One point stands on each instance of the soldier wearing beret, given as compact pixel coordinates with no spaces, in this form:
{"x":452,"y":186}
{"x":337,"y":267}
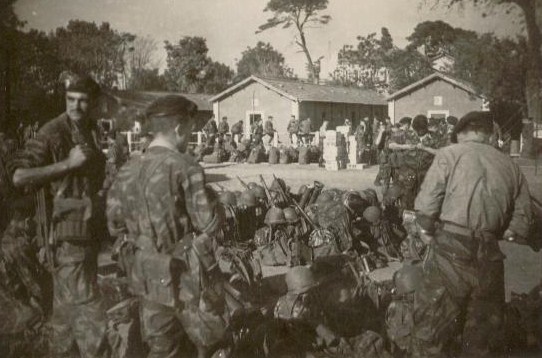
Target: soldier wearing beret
{"x":478,"y":196}
{"x":65,"y":162}
{"x":158,"y":201}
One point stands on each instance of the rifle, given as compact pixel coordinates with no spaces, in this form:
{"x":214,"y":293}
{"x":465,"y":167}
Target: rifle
{"x":45,"y":231}
{"x":242,"y":182}
{"x":267,"y":193}
{"x":299,"y":208}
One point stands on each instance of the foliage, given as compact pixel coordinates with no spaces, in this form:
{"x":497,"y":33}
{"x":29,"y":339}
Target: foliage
{"x":262,"y":60}
{"x":531,"y":16}
{"x":98,"y":50}
{"x":377,"y":64}
{"x":144,"y":79}
{"x":298,"y":13}
{"x":189,"y":69}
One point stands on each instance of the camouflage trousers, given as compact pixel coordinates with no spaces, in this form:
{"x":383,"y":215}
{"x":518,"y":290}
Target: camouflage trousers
{"x":470,"y":293}
{"x":78,"y":314}
{"x":161,"y":330}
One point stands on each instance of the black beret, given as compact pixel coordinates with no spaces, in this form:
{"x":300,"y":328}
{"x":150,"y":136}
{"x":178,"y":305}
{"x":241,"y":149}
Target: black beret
{"x":80,"y":83}
{"x":171,"y":105}
{"x":478,"y":119}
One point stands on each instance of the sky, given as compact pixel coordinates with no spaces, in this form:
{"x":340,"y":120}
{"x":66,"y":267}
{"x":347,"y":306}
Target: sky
{"x":230,"y":25}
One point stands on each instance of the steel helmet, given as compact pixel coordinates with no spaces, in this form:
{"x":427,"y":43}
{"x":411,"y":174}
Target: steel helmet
{"x":370,"y":195}
{"x":227,"y":198}
{"x":300,"y":279}
{"x":274,"y":216}
{"x":290,"y":214}
{"x":247,"y":199}
{"x":252,"y":185}
{"x":259,"y":192}
{"x":372,"y":214}
{"x":354,"y":202}
{"x":394,"y":192}
{"x":408,"y":278}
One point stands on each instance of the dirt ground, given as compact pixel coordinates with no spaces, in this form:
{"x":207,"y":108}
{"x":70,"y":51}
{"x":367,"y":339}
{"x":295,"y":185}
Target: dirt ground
{"x":523,"y":267}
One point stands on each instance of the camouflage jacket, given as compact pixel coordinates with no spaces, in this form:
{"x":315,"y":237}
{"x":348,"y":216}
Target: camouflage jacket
{"x":159,"y":197}
{"x":52,"y":144}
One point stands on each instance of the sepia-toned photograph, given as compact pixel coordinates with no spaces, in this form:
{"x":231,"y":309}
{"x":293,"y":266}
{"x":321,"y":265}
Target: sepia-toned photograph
{"x":270,"y":178}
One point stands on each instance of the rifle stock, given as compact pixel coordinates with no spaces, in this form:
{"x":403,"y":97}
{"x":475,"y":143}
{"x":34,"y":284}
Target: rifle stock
{"x":267,"y":193}
{"x":242,"y":182}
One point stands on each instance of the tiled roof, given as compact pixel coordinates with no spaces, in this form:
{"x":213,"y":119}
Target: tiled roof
{"x":433,"y":77}
{"x":308,"y":92}
{"x":142,"y":99}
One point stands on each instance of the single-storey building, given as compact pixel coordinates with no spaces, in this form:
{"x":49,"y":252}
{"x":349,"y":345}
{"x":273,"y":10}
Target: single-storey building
{"x":258,"y":97}
{"x":438,"y":96}
{"x":139,"y":100}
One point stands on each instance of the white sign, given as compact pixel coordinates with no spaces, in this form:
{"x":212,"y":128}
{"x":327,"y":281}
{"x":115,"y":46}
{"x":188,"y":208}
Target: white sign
{"x":437,"y":100}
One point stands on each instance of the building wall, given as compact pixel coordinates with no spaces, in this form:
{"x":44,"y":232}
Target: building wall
{"x":455,"y":101}
{"x":266,"y":102}
{"x":336,"y":113}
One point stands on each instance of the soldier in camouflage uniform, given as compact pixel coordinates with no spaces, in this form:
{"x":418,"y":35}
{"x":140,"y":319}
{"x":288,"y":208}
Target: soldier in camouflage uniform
{"x":65,"y":160}
{"x":158,"y":199}
{"x":478,"y":196}
{"x":413,"y":152}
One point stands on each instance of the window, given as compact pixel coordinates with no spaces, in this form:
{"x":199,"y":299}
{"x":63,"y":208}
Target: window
{"x":437,"y":100}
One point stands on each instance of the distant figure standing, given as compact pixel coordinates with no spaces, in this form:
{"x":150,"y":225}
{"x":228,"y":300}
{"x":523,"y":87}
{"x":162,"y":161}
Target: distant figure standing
{"x":305,"y":131}
{"x":257,"y":130}
{"x":210,"y":129}
{"x":237,"y":131}
{"x":293,"y":130}
{"x":223,"y":127}
{"x":269,"y":129}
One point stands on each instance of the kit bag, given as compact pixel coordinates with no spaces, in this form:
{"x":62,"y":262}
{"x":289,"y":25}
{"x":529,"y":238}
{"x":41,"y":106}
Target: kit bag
{"x":274,"y":155}
{"x":304,"y":155}
{"x":71,"y":216}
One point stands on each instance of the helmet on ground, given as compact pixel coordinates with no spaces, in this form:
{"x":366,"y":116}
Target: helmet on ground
{"x":370,"y":195}
{"x":372,"y":214}
{"x":259,"y":192}
{"x":312,"y":213}
{"x":290,"y":214}
{"x":274,"y":216}
{"x":248,"y":199}
{"x":353,"y":201}
{"x":227,"y":198}
{"x":300,"y":279}
{"x":394,"y":192}
{"x":408,"y":278}
{"x":252,"y":185}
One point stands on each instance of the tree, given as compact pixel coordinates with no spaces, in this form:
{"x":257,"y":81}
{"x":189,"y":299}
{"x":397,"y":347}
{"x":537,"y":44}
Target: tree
{"x":98,"y":50}
{"x":145,"y":79}
{"x":217,"y":77}
{"x":531,"y":11}
{"x":262,"y":60}
{"x":298,"y":13}
{"x":377,"y":64}
{"x":9,"y":25}
{"x":189,"y":69}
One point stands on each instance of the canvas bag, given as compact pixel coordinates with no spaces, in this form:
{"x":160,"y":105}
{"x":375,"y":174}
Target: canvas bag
{"x":71,"y":216}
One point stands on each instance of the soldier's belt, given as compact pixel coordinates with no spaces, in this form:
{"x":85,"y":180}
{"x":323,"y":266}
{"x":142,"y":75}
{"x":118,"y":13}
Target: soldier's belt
{"x":458,"y":230}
